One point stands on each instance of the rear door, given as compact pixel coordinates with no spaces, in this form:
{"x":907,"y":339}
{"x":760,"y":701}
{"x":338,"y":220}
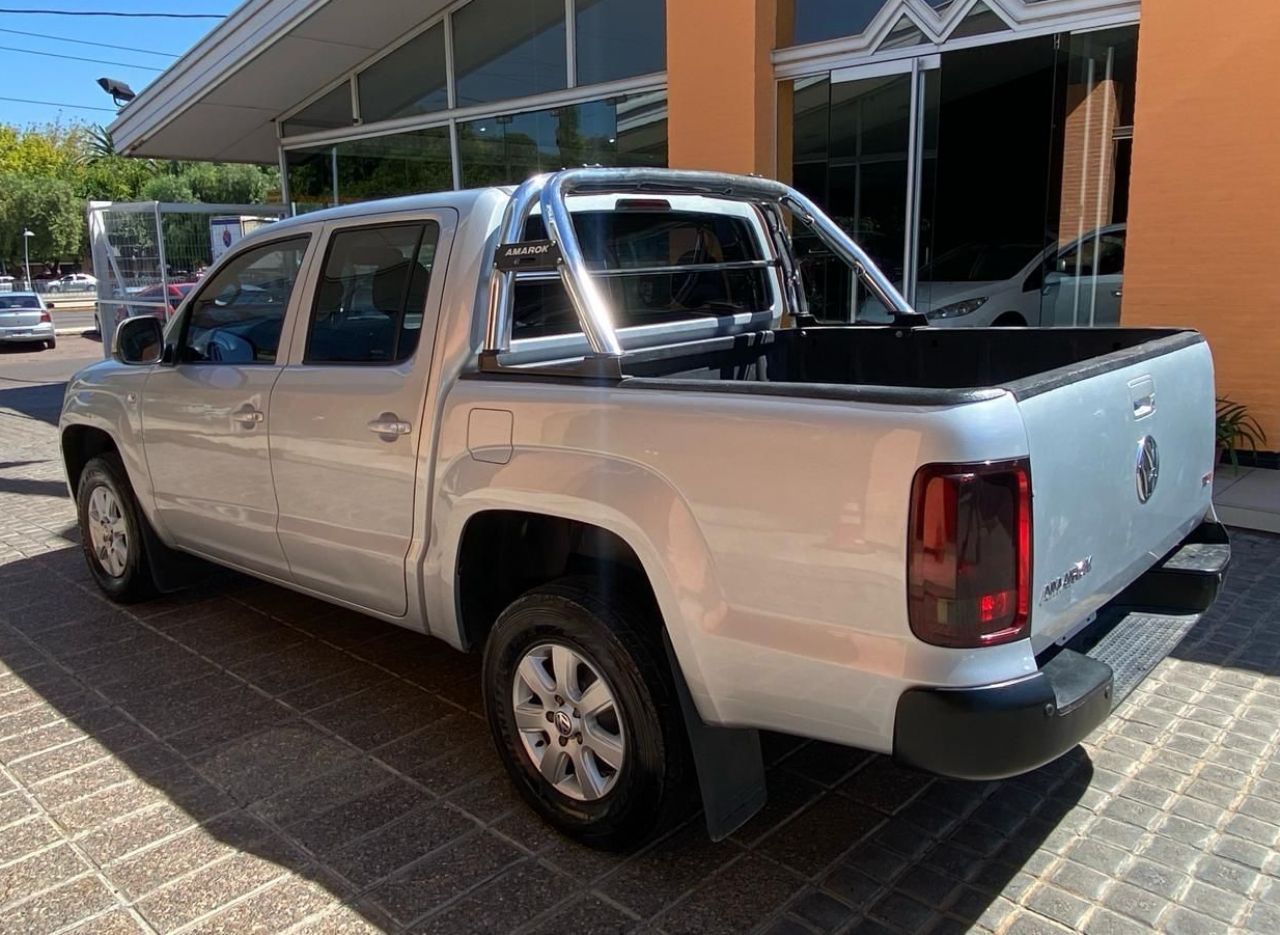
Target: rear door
{"x":1121,"y":471}
{"x":348,"y":410}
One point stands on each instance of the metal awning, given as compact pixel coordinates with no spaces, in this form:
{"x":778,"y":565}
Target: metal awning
{"x":220,"y":100}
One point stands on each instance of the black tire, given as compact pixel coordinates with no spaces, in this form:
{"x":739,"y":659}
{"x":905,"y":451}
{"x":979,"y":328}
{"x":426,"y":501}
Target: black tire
{"x":135,"y":582}
{"x":1009,"y":320}
{"x":51,"y":343}
{"x":619,"y":635}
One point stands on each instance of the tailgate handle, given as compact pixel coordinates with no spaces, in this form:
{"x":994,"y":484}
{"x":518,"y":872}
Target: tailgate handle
{"x":1143,"y":394}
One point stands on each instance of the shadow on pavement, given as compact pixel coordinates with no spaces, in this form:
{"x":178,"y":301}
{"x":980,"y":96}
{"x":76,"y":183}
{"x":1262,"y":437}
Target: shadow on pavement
{"x":227,"y":737}
{"x":1240,"y":630}
{"x":40,"y":401}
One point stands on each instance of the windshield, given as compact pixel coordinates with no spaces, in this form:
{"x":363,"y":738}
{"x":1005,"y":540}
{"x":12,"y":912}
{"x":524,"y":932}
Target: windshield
{"x":19,"y":301}
{"x":980,"y":263}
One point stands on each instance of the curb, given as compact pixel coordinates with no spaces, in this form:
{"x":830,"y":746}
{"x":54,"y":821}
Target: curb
{"x":81,"y":330}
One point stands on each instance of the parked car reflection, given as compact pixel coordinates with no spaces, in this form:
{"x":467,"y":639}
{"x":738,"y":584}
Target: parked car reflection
{"x":984,"y":285}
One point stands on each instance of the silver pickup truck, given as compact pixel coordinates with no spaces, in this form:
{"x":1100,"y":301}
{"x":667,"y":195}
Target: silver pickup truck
{"x":589,"y":428}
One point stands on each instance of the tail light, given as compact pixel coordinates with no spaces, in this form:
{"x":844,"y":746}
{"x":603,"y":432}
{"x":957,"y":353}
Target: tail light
{"x":969,"y":561}
{"x":44,"y":316}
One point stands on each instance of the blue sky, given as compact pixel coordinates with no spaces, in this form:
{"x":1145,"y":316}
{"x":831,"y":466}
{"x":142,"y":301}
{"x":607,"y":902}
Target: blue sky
{"x":69,"y":82}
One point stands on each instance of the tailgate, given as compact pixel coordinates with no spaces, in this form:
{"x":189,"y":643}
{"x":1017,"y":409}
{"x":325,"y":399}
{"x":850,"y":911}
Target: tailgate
{"x":1101,"y":514}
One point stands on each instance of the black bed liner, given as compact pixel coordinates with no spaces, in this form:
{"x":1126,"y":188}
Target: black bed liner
{"x":915,"y":366}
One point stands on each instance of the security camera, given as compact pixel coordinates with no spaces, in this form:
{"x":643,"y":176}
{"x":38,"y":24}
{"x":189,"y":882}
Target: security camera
{"x":120,"y":92}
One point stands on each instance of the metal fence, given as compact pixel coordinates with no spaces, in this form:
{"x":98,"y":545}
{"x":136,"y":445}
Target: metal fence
{"x":148,"y":255}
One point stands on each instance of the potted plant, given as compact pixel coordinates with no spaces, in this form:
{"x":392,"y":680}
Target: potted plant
{"x":1236,"y":428}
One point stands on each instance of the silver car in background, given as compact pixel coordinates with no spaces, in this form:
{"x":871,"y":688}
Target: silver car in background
{"x":24,"y":319}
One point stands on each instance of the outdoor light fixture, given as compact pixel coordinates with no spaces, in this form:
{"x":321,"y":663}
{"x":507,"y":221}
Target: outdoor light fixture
{"x":120,"y":92}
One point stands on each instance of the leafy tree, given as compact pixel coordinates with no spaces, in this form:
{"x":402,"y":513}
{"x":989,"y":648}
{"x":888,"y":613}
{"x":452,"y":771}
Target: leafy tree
{"x":50,"y":172}
{"x":48,"y":207}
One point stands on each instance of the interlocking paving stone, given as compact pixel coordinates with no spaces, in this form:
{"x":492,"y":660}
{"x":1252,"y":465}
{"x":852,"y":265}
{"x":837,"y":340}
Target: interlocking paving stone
{"x":57,"y":908}
{"x":241,"y":758}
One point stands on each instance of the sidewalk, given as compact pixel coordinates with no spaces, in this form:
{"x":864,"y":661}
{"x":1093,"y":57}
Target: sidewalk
{"x":1248,"y":497}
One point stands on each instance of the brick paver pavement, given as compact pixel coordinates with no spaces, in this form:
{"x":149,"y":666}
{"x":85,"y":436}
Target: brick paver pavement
{"x":245,"y":759}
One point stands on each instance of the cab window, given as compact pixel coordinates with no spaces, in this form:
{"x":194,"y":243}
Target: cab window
{"x":719,"y":270}
{"x":372,"y":295}
{"x":237,"y":316}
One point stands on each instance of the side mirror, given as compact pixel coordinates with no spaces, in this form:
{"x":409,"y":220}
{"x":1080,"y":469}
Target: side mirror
{"x":138,"y":340}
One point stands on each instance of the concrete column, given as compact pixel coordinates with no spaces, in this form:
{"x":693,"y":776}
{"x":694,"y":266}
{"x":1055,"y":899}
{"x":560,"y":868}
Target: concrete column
{"x":1205,"y":193}
{"x":720,"y":85}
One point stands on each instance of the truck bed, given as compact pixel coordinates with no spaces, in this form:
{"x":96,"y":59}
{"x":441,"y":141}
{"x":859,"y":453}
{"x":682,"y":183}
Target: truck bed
{"x":926,"y":366}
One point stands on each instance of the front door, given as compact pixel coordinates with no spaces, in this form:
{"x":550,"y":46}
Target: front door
{"x":205,"y":419}
{"x":349,"y":411}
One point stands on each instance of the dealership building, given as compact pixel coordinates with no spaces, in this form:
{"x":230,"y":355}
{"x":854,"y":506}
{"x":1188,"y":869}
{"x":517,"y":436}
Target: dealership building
{"x":1064,"y":162}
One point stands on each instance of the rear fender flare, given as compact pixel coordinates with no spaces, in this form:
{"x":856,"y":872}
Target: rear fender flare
{"x":629,"y":500}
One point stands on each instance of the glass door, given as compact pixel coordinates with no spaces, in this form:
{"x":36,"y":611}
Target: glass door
{"x":857,"y":136}
{"x":990,"y":183}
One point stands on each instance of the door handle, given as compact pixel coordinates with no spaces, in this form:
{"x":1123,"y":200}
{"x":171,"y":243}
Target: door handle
{"x":248,"y":416}
{"x":388,"y":427}
{"x":1117,"y":293}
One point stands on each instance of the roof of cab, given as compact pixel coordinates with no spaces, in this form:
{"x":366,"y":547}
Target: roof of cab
{"x":460,"y":200}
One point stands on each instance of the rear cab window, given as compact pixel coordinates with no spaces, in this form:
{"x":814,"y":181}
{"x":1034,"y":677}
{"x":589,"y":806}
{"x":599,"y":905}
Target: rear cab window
{"x":656,"y":264}
{"x":372,"y":293}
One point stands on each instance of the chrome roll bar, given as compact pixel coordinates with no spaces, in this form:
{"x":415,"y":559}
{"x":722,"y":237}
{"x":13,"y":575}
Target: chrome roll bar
{"x":551,"y":191}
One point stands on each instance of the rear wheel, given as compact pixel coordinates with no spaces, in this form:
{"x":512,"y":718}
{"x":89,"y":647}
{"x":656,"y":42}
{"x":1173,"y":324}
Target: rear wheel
{"x":51,"y":343}
{"x":111,"y":531}
{"x":584,"y":713}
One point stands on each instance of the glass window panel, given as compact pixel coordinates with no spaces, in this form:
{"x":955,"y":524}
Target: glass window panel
{"x":903,"y":35}
{"x":850,"y":143}
{"x":408,"y":81}
{"x":377,"y":167}
{"x":816,"y":20}
{"x":979,"y":21}
{"x":400,"y":164}
{"x":507,"y":49}
{"x":620,"y":39}
{"x":310,"y":177}
{"x":988,"y":183}
{"x":1083,"y":280}
{"x":370,"y":300}
{"x":330,"y":112}
{"x":237,"y":316}
{"x":622,"y":131}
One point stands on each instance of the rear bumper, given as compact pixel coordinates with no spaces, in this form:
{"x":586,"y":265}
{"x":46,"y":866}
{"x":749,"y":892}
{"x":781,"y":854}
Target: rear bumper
{"x":995,"y":731}
{"x":41,"y":332}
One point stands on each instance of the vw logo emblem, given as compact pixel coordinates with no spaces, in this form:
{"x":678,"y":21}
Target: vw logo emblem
{"x":563,"y":724}
{"x":1148,"y":468}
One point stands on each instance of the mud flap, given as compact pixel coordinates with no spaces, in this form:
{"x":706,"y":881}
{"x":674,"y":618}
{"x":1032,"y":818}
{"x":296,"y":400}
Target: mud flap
{"x":728,"y":760}
{"x":171,"y":570}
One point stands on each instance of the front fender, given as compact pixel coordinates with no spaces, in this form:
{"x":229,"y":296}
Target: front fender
{"x":628,"y":499}
{"x":104,"y":397}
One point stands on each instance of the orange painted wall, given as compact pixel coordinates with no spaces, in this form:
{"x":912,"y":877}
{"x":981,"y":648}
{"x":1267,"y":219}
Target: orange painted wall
{"x":1204,"y":218}
{"x":720,"y":90}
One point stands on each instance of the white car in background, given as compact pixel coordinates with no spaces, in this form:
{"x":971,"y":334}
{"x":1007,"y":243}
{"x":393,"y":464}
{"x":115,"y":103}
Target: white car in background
{"x":985,"y":285}
{"x":25,"y":320}
{"x":74,"y":282}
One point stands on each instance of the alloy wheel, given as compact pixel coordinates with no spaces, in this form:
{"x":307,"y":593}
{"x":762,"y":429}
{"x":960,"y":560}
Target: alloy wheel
{"x":108,"y":532}
{"x":568,"y":721}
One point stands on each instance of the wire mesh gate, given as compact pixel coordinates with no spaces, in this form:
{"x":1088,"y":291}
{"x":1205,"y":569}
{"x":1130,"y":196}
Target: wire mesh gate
{"x":148,"y":255}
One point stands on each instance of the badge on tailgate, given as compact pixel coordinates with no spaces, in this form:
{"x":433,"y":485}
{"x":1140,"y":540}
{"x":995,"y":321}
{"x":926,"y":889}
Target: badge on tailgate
{"x":1056,"y":586}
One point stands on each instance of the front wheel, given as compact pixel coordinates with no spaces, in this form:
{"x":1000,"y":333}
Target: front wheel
{"x":111,"y":531}
{"x":584,"y":713}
